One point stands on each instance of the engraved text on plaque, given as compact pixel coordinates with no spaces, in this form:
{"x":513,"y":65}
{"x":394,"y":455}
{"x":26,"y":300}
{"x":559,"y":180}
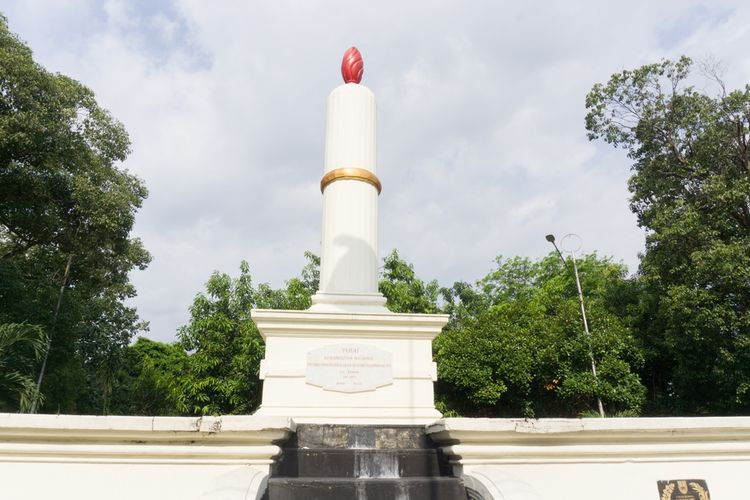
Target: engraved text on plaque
{"x":349,"y":368}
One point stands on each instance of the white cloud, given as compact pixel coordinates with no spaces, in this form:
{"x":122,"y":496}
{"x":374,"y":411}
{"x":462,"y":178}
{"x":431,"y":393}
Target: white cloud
{"x":535,"y":207}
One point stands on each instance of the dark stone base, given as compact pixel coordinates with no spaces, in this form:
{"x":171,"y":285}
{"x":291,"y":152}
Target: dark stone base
{"x":326,"y":462}
{"x":427,"y":488}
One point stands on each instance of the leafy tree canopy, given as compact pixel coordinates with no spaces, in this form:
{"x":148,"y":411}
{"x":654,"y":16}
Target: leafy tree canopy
{"x":524,"y":352}
{"x":224,"y":345}
{"x":66,"y":212}
{"x":404,"y":291}
{"x":146,"y":379}
{"x":691,"y":190}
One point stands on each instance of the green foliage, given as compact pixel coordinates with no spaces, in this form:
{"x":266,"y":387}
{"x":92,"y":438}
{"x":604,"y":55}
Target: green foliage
{"x":225,"y":347}
{"x":147,"y":377}
{"x":525,"y":353}
{"x":691,"y":190}
{"x":404,"y":292}
{"x":66,"y":211}
{"x":21,"y":345}
{"x":221,"y":375}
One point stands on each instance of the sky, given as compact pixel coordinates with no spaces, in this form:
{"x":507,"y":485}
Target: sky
{"x":482,"y":149}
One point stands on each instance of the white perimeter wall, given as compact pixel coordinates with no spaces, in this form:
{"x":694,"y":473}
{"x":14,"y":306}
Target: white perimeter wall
{"x":85,"y":457}
{"x":582,"y":459}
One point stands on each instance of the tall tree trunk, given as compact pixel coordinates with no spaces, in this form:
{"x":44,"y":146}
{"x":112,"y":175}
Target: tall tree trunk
{"x":63,"y":284}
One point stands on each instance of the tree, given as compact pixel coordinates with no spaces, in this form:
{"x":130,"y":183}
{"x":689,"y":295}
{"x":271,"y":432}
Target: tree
{"x":404,"y":292}
{"x":148,"y":378}
{"x":225,"y":347}
{"x":66,"y":212}
{"x":525,"y":352}
{"x":690,"y":189}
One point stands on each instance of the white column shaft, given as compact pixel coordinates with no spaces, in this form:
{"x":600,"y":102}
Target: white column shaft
{"x":351,"y":125}
{"x":349,"y":262}
{"x":349,"y":253}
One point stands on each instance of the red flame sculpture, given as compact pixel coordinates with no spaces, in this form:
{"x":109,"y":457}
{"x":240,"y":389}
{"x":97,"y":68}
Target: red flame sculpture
{"x":352,"y":66}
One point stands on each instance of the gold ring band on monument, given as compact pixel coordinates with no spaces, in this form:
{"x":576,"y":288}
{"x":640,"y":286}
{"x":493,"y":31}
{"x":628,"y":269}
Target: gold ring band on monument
{"x":350,"y":173}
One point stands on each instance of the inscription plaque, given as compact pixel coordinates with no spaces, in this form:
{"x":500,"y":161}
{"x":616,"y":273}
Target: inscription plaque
{"x":349,"y":368}
{"x":683,"y":489}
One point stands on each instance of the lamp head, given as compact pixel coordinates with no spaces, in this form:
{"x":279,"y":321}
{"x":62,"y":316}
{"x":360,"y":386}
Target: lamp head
{"x":550,"y":238}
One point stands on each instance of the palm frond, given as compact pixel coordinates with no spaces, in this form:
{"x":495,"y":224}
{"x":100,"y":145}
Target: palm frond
{"x":32,"y":336}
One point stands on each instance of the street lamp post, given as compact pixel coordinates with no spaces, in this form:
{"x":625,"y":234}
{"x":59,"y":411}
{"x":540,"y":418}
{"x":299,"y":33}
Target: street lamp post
{"x":551,"y":239}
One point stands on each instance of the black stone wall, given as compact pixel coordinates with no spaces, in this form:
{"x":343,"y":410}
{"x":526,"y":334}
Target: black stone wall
{"x":326,"y":462}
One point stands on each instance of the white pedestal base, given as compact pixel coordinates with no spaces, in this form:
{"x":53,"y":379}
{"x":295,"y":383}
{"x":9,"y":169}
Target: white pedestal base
{"x":405,"y":339}
{"x":348,"y":303}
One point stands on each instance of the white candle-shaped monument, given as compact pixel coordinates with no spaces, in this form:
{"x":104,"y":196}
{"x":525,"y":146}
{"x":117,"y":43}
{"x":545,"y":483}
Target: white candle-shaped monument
{"x":347,"y":359}
{"x":350,"y":188}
